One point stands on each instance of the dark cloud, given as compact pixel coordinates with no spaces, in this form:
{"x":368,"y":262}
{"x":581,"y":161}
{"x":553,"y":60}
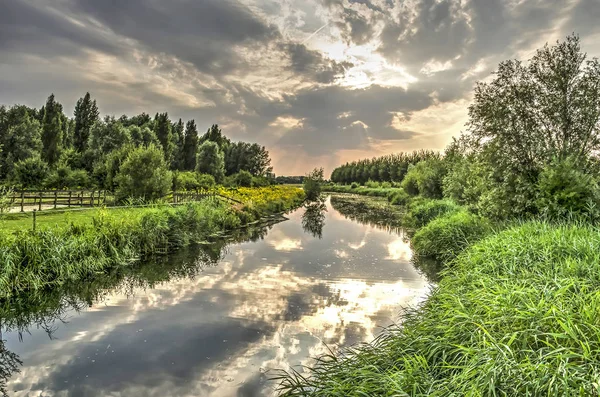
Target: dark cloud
{"x":313,"y":64}
{"x":44,"y":31}
{"x":203,"y":33}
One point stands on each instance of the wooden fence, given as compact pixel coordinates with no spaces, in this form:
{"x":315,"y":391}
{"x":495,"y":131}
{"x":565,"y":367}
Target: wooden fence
{"x":46,"y":199}
{"x":41,"y":199}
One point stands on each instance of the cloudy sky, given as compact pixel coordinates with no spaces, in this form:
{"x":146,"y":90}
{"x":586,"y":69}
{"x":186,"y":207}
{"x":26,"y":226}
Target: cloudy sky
{"x":319,"y":82}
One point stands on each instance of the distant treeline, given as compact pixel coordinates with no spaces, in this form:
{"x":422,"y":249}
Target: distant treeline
{"x":289,"y":180}
{"x":390,"y":168}
{"x":44,"y":148}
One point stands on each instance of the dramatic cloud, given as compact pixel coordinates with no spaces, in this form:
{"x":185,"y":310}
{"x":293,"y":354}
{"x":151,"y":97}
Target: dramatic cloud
{"x":316,"y":81}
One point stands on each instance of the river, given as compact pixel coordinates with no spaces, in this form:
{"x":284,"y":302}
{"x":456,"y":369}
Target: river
{"x":217,"y":319}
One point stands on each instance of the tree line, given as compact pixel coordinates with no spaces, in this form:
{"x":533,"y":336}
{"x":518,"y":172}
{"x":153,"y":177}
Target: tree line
{"x":531,"y":145}
{"x":44,"y":148}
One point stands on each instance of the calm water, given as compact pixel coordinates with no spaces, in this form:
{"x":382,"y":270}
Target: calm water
{"x":213,"y":321}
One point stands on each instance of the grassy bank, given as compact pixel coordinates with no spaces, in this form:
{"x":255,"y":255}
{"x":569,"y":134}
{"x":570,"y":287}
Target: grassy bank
{"x":104,"y":239}
{"x":515,"y":314}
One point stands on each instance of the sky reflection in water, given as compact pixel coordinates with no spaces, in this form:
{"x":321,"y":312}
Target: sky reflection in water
{"x":267,"y":305}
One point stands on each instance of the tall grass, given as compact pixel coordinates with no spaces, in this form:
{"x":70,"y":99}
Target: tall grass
{"x":448,"y":235}
{"x":516,"y":316}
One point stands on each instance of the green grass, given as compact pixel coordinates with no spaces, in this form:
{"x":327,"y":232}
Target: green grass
{"x":518,"y":315}
{"x":69,"y":247}
{"x":421,"y":211}
{"x":362,"y":190}
{"x":448,"y":235}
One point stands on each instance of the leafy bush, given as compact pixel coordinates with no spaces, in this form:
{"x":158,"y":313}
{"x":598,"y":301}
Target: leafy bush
{"x":398,"y":197}
{"x":205,"y":181}
{"x":261,"y":181}
{"x":243,"y":179}
{"x":448,"y":235}
{"x":186,"y":181}
{"x":565,"y":190}
{"x":144,"y":174}
{"x":422,"y":212}
{"x":372,"y":185}
{"x":312,"y":183}
{"x":211,"y":160}
{"x":354,"y":185}
{"x":6,"y":199}
{"x":386,"y":185}
{"x":425,"y":178}
{"x":30,"y":173}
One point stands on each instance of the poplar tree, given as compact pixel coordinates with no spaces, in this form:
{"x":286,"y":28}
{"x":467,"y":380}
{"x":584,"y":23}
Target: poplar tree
{"x":52,"y":131}
{"x":86,"y":114}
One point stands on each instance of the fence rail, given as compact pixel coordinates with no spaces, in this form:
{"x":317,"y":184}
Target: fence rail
{"x":51,"y":199}
{"x":43,"y":199}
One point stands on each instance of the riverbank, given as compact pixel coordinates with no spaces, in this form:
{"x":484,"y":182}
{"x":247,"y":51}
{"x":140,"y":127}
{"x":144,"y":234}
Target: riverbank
{"x":99,"y":240}
{"x":514,"y":314}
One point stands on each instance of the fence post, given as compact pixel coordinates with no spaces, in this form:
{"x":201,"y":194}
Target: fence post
{"x":70,"y":198}
{"x":34,"y":218}
{"x":81,"y":199}
{"x":22,"y":199}
{"x":40,"y":203}
{"x":55,"y":197}
{"x":104,"y":198}
{"x":92,"y":198}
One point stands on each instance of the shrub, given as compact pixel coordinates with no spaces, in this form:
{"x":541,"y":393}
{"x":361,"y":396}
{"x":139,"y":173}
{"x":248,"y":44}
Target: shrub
{"x":243,"y":179}
{"x":211,"y":160}
{"x":448,"y":235}
{"x":261,"y":181}
{"x":425,"y":178}
{"x":372,"y":185}
{"x":144,"y":175}
{"x":312,"y":184}
{"x":6,"y":199}
{"x":421,"y":212}
{"x":186,"y":180}
{"x":565,"y":190}
{"x":31,"y":172}
{"x":398,"y":197}
{"x":354,"y":185}
{"x":386,"y":185}
{"x":205,"y":181}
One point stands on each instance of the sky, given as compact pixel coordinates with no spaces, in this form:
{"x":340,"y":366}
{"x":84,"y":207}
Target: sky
{"x":318,"y":82}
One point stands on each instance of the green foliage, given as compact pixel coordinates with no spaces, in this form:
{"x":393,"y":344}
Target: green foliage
{"x":214,"y":134}
{"x":63,"y":177}
{"x":243,"y":178}
{"x":107,"y":136}
{"x":144,"y":175}
{"x":21,"y":139}
{"x":448,"y":235}
{"x":398,"y":197}
{"x":354,"y":185}
{"x":425,"y":178}
{"x":190,"y":146}
{"x":242,"y":156}
{"x":312,"y":184}
{"x":142,"y":136}
{"x":52,"y":131}
{"x":261,"y":181}
{"x":163,"y":130}
{"x":516,"y":316}
{"x":210,"y":160}
{"x":372,"y":185}
{"x":205,"y":181}
{"x":30,"y":173}
{"x":380,"y":169}
{"x":421,"y":212}
{"x":566,"y":191}
{"x":86,"y":115}
{"x":6,"y":198}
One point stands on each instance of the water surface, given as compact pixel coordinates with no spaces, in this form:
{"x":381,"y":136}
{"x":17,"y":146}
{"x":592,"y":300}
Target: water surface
{"x":216,"y":320}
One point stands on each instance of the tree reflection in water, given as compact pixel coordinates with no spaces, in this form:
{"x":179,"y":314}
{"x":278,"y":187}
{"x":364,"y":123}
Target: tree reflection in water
{"x":46,"y":309}
{"x":313,"y":219}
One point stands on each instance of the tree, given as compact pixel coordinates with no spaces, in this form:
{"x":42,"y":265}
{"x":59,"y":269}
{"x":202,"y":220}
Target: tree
{"x":142,"y":136}
{"x":108,"y":135}
{"x":144,"y":175}
{"x":214,"y":134}
{"x":86,"y":115}
{"x":190,"y":146}
{"x":312,"y":184}
{"x":52,"y":130}
{"x":531,"y":115}
{"x":177,"y":160}
{"x":20,"y":138}
{"x":163,"y":131}
{"x":211,"y":161}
